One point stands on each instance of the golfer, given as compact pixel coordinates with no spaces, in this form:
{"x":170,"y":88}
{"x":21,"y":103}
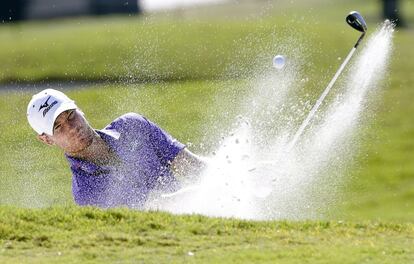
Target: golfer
{"x":119,"y":165}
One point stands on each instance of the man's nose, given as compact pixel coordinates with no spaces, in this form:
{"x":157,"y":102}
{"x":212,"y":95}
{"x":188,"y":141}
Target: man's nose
{"x":74,"y":128}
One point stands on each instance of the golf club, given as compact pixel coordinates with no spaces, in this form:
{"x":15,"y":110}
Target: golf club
{"x":355,"y":20}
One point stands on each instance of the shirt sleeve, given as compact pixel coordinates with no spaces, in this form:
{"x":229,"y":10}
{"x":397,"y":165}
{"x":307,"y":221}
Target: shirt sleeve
{"x":166,"y":147}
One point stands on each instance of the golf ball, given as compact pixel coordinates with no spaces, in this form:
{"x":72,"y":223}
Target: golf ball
{"x":279,"y":61}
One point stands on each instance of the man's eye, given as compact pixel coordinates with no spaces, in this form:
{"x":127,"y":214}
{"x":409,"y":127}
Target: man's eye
{"x":71,"y":115}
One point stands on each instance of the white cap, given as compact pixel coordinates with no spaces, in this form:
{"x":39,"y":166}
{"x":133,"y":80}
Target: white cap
{"x":45,"y":107}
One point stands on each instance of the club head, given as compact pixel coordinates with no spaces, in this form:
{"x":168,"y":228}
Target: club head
{"x":355,"y":20}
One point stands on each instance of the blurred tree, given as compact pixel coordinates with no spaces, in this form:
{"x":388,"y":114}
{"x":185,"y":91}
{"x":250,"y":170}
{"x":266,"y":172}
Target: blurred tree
{"x":392,"y":12}
{"x":102,"y":7}
{"x":11,"y":10}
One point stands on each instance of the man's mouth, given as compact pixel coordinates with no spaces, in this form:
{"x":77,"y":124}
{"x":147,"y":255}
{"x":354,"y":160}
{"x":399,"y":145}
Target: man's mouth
{"x":83,"y":136}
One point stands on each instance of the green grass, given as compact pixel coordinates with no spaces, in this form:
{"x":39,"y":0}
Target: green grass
{"x":388,"y":154}
{"x":73,"y":235}
{"x":194,"y":79}
{"x":147,"y":48}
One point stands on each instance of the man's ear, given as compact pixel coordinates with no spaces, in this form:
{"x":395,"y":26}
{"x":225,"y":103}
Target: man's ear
{"x":45,"y":139}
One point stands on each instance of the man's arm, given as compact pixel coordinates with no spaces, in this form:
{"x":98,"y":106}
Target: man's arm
{"x":187,"y":165}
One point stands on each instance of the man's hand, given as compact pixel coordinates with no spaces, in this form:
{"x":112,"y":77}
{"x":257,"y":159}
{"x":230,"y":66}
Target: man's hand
{"x":188,"y":166}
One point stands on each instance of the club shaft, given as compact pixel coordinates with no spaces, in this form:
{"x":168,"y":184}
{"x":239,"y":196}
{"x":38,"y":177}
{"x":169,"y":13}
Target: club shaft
{"x":359,"y":40}
{"x":321,"y":98}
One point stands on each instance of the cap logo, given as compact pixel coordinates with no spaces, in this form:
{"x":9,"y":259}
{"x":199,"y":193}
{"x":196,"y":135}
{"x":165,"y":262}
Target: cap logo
{"x":45,"y":104}
{"x":48,"y":107}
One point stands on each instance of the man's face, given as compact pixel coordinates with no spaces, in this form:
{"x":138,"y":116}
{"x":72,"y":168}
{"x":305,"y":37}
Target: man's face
{"x":71,"y":132}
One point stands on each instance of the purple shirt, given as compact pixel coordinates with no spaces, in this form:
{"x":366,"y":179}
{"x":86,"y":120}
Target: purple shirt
{"x":146,"y":152}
